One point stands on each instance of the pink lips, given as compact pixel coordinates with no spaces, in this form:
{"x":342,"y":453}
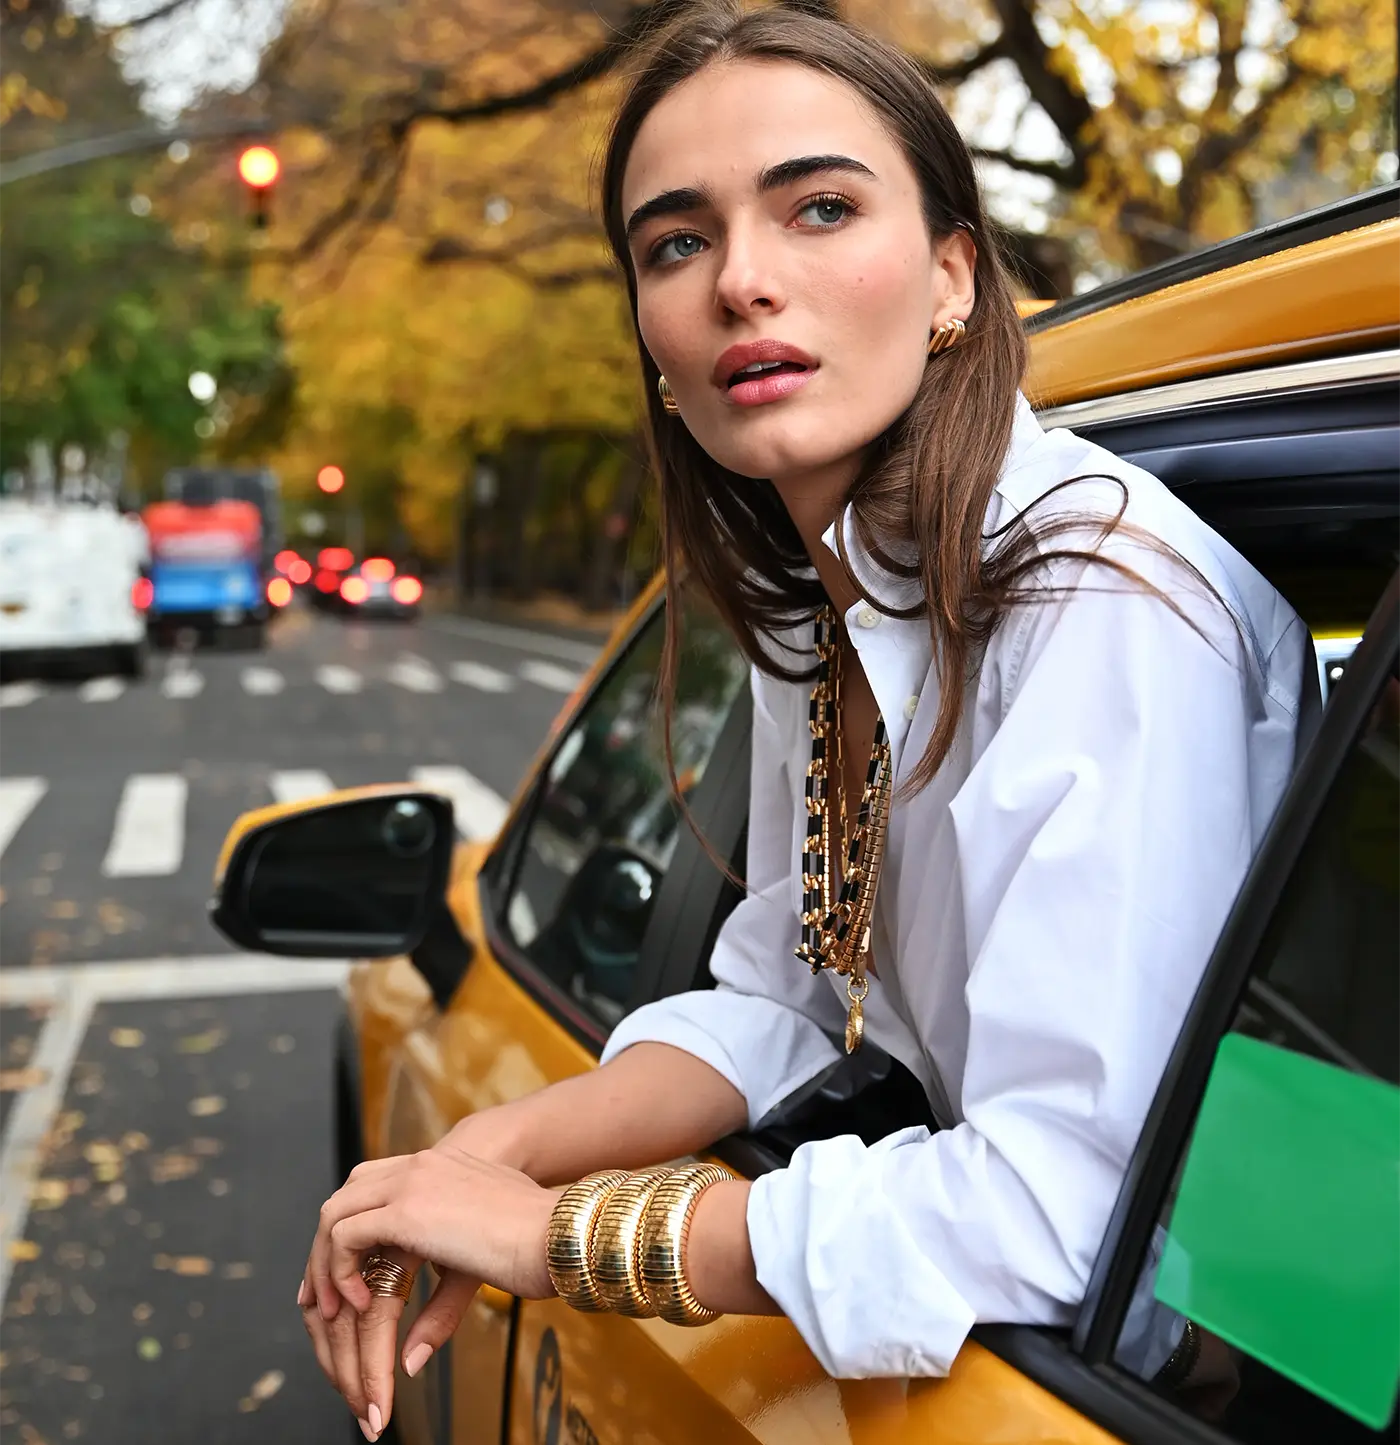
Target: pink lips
{"x":766,"y":386}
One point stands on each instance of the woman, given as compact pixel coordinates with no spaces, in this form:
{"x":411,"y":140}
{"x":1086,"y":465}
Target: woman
{"x":1075,"y":706}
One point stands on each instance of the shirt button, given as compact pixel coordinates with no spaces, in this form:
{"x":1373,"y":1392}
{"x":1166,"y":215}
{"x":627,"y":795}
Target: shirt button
{"x":911,"y":707}
{"x":868,"y":617}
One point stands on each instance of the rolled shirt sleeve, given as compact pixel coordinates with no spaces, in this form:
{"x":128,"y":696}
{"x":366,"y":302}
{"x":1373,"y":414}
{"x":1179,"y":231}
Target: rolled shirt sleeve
{"x":765,"y":1024}
{"x":1101,"y":836}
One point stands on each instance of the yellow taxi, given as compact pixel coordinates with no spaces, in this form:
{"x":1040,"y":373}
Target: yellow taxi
{"x":1259,"y":380}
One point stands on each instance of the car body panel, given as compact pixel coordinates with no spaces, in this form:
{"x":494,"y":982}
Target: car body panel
{"x":1320,"y":299}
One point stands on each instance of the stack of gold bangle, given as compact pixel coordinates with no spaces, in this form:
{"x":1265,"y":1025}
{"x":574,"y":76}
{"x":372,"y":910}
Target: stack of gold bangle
{"x":616,"y":1241}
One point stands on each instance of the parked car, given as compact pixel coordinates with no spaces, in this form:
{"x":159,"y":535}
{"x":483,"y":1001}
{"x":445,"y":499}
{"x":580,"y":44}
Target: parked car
{"x":1258,"y":379}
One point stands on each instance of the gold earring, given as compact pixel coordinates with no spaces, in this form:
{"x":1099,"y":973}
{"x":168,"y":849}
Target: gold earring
{"x":669,"y":404}
{"x":946,"y":337}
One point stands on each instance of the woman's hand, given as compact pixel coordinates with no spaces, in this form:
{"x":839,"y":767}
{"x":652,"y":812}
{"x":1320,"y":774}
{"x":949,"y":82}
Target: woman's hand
{"x":356,"y":1349}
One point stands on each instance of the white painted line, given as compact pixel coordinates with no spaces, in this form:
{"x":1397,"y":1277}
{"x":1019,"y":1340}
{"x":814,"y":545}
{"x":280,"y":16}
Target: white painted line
{"x":148,"y":839}
{"x":481,"y":677}
{"x":19,"y":694}
{"x":73,"y":991}
{"x":548,"y":674}
{"x":181,"y":681}
{"x":22,"y":1147}
{"x":335,"y":678}
{"x":521,"y":637}
{"x":18,"y":797}
{"x":417,"y":674}
{"x":262,"y":681}
{"x":102,"y":689}
{"x":298,"y":783}
{"x":479,"y":810}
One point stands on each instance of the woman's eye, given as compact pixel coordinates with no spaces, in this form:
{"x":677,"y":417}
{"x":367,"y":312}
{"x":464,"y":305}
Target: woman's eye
{"x":676,"y":248}
{"x":826,"y":211}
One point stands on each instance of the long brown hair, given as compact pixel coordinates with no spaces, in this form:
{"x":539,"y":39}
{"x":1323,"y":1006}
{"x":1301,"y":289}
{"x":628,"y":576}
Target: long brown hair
{"x":923,"y":490}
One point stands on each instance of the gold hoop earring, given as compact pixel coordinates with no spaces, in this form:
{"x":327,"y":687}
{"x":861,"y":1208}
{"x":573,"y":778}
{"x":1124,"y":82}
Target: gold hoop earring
{"x":946,"y":337}
{"x":669,"y":404}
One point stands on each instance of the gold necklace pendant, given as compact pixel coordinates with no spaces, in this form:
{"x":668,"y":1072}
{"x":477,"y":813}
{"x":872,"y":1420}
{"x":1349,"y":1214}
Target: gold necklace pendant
{"x":857,"y":986}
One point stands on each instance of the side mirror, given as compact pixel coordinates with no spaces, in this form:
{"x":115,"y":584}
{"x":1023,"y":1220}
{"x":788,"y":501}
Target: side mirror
{"x":361,"y":873}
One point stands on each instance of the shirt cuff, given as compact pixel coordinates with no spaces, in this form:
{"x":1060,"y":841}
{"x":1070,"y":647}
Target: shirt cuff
{"x":764,"y":1048}
{"x":836,"y":1254}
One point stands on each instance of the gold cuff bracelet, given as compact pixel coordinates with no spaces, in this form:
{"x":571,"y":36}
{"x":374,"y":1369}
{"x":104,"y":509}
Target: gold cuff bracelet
{"x":614,"y":1257}
{"x":664,"y":1232}
{"x":569,"y":1238}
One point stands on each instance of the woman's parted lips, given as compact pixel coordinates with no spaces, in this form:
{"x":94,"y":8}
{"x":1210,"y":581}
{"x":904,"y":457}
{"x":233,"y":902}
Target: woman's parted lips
{"x":745,"y":353}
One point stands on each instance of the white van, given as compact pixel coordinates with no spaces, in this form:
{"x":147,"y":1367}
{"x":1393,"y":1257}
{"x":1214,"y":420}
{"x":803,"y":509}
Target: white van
{"x":72,"y":585}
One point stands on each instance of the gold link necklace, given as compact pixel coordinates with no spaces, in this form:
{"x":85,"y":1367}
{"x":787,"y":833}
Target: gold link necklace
{"x":837,"y":935}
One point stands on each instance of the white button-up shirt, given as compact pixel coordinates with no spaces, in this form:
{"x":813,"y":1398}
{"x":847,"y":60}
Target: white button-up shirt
{"x":1047,"y":906}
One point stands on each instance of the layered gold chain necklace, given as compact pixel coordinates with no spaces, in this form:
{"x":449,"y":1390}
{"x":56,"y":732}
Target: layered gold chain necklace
{"x":837,"y":935}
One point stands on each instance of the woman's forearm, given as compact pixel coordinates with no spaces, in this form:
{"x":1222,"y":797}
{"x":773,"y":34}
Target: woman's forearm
{"x":718,"y":1259}
{"x":651,"y":1103}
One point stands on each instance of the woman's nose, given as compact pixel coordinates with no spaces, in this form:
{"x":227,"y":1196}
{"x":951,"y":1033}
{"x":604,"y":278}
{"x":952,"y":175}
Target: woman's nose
{"x":748,"y":280}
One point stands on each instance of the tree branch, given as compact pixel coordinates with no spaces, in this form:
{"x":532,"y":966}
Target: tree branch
{"x":958,"y":70}
{"x":1063,"y":173}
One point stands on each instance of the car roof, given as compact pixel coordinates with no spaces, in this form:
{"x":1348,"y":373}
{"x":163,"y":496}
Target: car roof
{"x":1321,"y":284}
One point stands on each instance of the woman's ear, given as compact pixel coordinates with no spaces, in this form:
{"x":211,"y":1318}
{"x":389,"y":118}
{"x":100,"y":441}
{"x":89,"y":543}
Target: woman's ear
{"x":954,"y":277}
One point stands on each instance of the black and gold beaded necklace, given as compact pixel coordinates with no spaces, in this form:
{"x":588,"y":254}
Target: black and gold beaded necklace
{"x":837,"y":936}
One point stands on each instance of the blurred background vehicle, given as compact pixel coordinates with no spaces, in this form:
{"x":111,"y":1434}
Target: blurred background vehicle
{"x":333,"y":565}
{"x":377,"y":588}
{"x":73,"y":589}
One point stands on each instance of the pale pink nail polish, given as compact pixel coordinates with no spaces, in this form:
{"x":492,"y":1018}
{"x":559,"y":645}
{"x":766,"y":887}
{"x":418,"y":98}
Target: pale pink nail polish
{"x":376,"y":1420}
{"x":365,"y":1430}
{"x":415,"y":1359}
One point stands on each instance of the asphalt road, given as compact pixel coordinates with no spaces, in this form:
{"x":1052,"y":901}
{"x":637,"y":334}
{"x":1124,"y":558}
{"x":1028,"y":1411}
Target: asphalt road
{"x":165,"y":1115}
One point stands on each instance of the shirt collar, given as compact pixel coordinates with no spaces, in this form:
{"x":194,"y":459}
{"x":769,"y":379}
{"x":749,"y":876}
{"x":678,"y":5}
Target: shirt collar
{"x":899,"y":592}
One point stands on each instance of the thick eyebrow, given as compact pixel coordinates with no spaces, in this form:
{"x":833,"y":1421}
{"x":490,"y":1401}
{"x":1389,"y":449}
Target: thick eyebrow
{"x":784,"y":173}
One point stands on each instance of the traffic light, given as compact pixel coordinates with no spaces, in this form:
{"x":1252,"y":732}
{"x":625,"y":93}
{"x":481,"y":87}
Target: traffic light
{"x":330,"y":479}
{"x":259,"y":168}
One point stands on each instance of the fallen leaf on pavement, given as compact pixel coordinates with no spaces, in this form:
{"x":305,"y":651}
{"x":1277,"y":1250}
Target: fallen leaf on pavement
{"x":208,"y":1104}
{"x":148,"y":1348}
{"x":21,"y":1249}
{"x":127,"y":1038}
{"x":48,"y":1193}
{"x":13,"y":1079}
{"x":134,"y":1140}
{"x":266,"y":1386}
{"x":203,"y":1043}
{"x":239,"y":1270}
{"x":173,"y":1165}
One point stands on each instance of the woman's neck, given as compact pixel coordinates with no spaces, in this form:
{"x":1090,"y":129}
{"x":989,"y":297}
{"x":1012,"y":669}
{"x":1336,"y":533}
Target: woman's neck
{"x":813,"y":501}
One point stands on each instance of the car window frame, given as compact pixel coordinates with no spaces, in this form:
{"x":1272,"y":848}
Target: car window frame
{"x":690,"y":882}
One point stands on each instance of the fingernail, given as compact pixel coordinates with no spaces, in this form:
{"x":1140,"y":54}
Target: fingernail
{"x":365,"y":1430}
{"x":415,"y":1359}
{"x":301,"y":1293}
{"x":376,"y":1420}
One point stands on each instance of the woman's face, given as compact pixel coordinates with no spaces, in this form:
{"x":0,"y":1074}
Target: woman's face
{"x":773,"y":220}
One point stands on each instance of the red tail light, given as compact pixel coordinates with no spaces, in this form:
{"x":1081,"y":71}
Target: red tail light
{"x":143,"y":590}
{"x":279,"y":592}
{"x":327,"y":581}
{"x":285,"y":560}
{"x":377,"y":569}
{"x":299,"y":572}
{"x":336,"y":558}
{"x":406,"y":590}
{"x":354,"y":589}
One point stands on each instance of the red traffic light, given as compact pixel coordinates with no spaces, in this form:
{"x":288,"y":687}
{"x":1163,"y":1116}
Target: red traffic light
{"x":259,"y":167}
{"x":330,"y":479}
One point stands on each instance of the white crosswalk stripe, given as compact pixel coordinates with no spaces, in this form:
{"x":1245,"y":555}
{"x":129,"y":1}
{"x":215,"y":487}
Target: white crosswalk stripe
{"x":416,"y":674}
{"x":18,"y":797}
{"x":335,"y":678}
{"x":19,"y":694}
{"x":262,"y":681}
{"x":298,"y":783}
{"x":481,"y":677}
{"x":102,"y":689}
{"x":148,"y":839}
{"x":550,"y":675}
{"x":182,"y":682}
{"x":479,"y":810}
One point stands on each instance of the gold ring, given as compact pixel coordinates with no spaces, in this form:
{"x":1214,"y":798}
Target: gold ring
{"x":385,"y":1278}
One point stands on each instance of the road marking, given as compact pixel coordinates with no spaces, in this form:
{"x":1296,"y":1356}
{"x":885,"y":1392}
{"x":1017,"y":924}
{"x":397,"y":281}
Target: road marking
{"x":335,"y":678}
{"x":298,"y":783}
{"x":417,"y":674}
{"x":262,"y":681}
{"x":19,"y":694}
{"x":148,"y":839}
{"x":181,"y":680}
{"x":550,"y":675}
{"x":18,"y":797}
{"x":521,"y":637}
{"x":479,"y":810}
{"x":102,"y":689}
{"x":72,"y":992}
{"x":481,"y":677}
